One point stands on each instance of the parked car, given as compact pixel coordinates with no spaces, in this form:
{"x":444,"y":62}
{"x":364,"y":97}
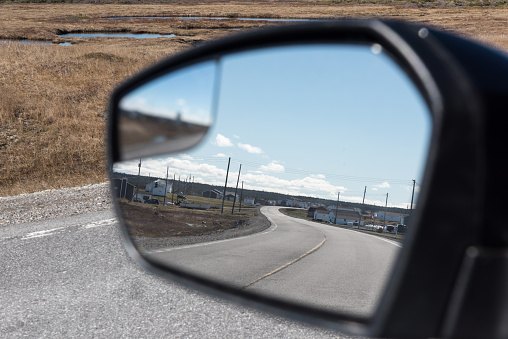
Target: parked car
{"x":152,"y":201}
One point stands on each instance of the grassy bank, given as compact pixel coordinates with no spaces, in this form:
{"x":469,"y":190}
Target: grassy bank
{"x":53,"y":98}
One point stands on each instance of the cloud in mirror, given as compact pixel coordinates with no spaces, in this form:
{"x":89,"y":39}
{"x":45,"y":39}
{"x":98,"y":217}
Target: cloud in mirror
{"x":325,"y":147}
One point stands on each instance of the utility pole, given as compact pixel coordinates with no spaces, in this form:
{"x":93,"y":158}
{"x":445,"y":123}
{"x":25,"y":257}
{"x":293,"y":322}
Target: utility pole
{"x":173,"y":188}
{"x":241,"y":198}
{"x":412,"y":197}
{"x":166,"y":188}
{"x":363,"y":206}
{"x":236,"y":189}
{"x":137,"y":183}
{"x":225,"y":185}
{"x":337,"y":208}
{"x":386,"y":207}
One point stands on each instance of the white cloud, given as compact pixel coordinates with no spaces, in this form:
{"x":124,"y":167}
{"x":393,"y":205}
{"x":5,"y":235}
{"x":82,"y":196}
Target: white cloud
{"x":222,"y":141}
{"x":385,"y":184}
{"x":318,"y":176}
{"x":250,"y":148}
{"x":272,"y":167}
{"x":220,"y":155}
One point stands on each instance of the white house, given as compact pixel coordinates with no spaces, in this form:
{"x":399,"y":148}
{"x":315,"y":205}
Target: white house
{"x":390,"y":216}
{"x":158,"y":188}
{"x":322,"y":214}
{"x":343,"y":217}
{"x":304,"y":205}
{"x":249,"y":201}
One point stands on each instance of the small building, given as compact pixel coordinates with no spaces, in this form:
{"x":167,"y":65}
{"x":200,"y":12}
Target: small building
{"x":343,"y":217}
{"x":312,"y":209}
{"x":303,"y":205}
{"x":321,"y":214}
{"x":123,"y":189}
{"x":158,"y":188}
{"x":390,"y":216}
{"x":249,"y":201}
{"x":230,"y":196}
{"x":214,"y":194}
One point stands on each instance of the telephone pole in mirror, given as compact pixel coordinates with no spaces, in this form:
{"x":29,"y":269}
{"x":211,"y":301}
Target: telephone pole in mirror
{"x":241,"y":198}
{"x":337,"y":208}
{"x":137,"y":183}
{"x":412,"y":197}
{"x":166,"y":187}
{"x":363,"y":206}
{"x":225,"y":185}
{"x":236,"y":189}
{"x":173,"y":188}
{"x":386,"y":210}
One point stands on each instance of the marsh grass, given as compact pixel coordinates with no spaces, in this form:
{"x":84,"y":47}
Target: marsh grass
{"x":53,"y":98}
{"x":52,"y":112}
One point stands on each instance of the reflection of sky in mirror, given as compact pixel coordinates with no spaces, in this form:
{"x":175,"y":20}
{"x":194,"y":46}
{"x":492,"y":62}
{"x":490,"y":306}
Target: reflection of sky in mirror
{"x":312,"y":120}
{"x":184,"y":95}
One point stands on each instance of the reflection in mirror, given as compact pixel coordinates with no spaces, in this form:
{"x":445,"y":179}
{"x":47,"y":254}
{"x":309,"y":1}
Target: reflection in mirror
{"x":169,"y":114}
{"x":303,"y":188}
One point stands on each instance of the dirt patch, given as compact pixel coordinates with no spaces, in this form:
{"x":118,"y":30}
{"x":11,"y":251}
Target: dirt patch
{"x":153,"y":227}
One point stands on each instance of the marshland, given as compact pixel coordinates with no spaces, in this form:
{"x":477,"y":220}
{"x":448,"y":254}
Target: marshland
{"x":54,"y":88}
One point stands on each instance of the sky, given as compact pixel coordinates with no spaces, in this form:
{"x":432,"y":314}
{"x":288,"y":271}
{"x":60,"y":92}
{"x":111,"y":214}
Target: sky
{"x":312,"y":120}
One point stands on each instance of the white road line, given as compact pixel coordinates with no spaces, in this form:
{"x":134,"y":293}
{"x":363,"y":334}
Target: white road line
{"x":105,"y":222}
{"x":41,"y":234}
{"x":45,"y":233}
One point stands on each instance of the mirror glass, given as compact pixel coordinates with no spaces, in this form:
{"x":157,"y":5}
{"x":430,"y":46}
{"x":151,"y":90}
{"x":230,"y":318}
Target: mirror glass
{"x":303,"y":188}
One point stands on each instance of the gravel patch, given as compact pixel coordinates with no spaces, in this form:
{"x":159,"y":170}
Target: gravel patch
{"x":52,"y":204}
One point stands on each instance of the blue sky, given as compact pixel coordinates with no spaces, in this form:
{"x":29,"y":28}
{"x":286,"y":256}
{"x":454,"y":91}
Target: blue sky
{"x":303,"y":120}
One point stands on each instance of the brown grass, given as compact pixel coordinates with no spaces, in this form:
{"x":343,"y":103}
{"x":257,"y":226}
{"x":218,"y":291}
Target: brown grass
{"x":156,"y":221}
{"x":53,"y":98}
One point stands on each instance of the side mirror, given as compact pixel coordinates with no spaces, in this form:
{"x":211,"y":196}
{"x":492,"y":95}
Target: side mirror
{"x":295,"y":170}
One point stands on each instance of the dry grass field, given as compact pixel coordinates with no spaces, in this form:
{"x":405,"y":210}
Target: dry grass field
{"x":53,"y":98}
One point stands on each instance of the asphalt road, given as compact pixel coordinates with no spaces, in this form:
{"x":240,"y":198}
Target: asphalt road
{"x":296,"y":260}
{"x":70,"y":277}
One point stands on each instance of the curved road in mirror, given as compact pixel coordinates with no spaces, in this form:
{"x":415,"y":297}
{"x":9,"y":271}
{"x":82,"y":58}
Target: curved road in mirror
{"x":296,"y":260}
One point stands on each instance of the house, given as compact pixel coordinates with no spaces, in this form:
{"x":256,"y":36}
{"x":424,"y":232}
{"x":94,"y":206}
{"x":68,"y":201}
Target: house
{"x":390,"y":216}
{"x":249,"y":201}
{"x":341,"y":208}
{"x":321,"y":214}
{"x":123,"y":189}
{"x":230,"y":196}
{"x":303,"y":205}
{"x":287,"y":203}
{"x":343,"y":217}
{"x":158,"y":188}
{"x":214,"y":194}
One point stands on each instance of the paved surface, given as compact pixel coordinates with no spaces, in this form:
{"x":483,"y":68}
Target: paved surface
{"x":70,"y":277}
{"x":296,"y":260}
